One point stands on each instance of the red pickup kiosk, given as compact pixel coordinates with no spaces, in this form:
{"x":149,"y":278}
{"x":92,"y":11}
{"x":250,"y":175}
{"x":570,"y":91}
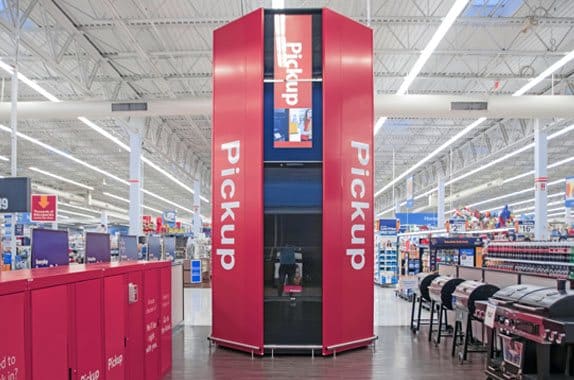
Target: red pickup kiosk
{"x":292,"y":183}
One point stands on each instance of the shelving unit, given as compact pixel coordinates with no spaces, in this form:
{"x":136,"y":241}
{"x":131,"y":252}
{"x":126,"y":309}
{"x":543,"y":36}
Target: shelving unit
{"x":386,"y":258}
{"x":552,"y":259}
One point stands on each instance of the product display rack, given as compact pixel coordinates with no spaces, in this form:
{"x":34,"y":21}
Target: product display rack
{"x":386,"y":259}
{"x":552,"y":259}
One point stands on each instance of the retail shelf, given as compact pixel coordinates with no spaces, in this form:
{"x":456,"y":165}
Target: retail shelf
{"x":530,"y":261}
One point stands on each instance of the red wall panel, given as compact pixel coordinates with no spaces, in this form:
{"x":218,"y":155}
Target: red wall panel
{"x":151,"y":304}
{"x":50,"y":323}
{"x":347,"y":181}
{"x":115,"y":319}
{"x":238,"y":182}
{"x":87,"y":337}
{"x":165,"y":318}
{"x":135,"y":330}
{"x":12,"y":336}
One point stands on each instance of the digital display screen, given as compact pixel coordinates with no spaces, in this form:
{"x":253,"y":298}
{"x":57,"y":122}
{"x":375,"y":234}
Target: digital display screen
{"x":98,"y":248}
{"x":49,"y":248}
{"x":293,"y":71}
{"x":128,"y":247}
{"x":153,"y":248}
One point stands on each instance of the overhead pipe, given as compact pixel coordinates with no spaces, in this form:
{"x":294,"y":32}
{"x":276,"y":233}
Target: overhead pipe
{"x":392,"y":106}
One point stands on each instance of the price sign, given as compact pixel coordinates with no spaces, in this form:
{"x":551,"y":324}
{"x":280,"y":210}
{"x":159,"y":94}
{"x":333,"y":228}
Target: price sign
{"x":489,"y":316}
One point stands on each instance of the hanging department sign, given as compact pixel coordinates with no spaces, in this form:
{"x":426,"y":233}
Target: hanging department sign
{"x":14,"y":194}
{"x":569,"y":196}
{"x":44,"y":208}
{"x":293,"y":119}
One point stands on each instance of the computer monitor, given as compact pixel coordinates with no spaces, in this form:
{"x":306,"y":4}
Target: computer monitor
{"x":98,"y":248}
{"x":169,"y":247}
{"x":153,"y":248}
{"x":128,"y":247}
{"x":49,"y":248}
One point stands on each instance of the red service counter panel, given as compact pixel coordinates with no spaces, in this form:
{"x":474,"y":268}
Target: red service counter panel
{"x":13,"y":318}
{"x":101,"y":321}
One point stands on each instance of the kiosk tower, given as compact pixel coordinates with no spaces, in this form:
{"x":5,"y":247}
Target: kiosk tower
{"x":292,"y":182}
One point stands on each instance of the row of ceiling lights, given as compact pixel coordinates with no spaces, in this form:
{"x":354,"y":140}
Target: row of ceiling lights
{"x":447,"y":22}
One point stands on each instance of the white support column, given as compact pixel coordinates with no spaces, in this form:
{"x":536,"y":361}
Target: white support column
{"x":136,"y":175}
{"x":440,"y":203}
{"x":540,"y":181}
{"x":197,"y":222}
{"x":104,"y":220}
{"x":569,"y":217}
{"x":14,"y":120}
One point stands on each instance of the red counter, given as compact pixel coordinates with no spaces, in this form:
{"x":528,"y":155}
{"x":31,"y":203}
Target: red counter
{"x":13,"y":318}
{"x":79,"y":322}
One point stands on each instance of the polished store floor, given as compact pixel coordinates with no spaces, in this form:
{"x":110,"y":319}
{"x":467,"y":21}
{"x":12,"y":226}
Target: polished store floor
{"x":399,"y":354}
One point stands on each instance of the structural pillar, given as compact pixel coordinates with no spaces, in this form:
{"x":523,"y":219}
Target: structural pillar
{"x":14,"y":124}
{"x":104,"y":220}
{"x":540,"y":182}
{"x":197,"y":222}
{"x":440,"y":203}
{"x":135,"y":129}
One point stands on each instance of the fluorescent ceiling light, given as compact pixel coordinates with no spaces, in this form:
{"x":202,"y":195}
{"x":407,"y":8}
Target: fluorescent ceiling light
{"x":532,"y":207}
{"x":530,"y":200}
{"x":145,"y":160}
{"x":559,"y":133}
{"x":2,"y":158}
{"x":89,"y":166}
{"x":445,"y":145}
{"x":491,"y":163}
{"x":557,"y":65}
{"x":167,"y":201}
{"x":63,"y":154}
{"x":103,"y":132}
{"x":76,"y":213}
{"x":39,"y":89}
{"x":445,"y":25}
{"x":385,"y":211}
{"x":60,"y":178}
{"x":128,"y":201}
{"x":557,"y":214}
{"x":35,"y":86}
{"x":379,"y":124}
{"x":79,"y":207}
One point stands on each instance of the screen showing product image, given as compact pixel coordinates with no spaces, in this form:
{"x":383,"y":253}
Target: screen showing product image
{"x":49,"y":248}
{"x":97,"y":248}
{"x":154,"y":247}
{"x":128,"y":248}
{"x":293,"y":71}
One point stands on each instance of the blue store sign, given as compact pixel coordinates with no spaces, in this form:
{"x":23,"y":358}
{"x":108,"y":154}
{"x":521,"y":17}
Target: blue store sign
{"x":418,"y":218}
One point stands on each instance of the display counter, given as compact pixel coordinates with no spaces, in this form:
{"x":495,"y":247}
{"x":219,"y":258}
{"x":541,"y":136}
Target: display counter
{"x":108,"y":321}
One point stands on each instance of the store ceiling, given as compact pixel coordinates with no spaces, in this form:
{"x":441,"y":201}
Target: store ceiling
{"x":143,"y":49}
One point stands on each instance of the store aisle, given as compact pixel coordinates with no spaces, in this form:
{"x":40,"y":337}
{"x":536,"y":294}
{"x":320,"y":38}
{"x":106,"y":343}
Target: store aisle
{"x":389,"y":309}
{"x":399,"y":355}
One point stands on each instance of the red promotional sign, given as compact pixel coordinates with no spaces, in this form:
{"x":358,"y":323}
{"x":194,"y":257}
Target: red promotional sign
{"x":293,"y":87}
{"x":44,"y":208}
{"x":347,"y":183}
{"x":237,"y":177}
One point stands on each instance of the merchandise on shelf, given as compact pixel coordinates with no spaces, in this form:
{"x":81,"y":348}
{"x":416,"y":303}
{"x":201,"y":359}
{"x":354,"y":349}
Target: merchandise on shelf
{"x":552,"y":259}
{"x":386,"y":269}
